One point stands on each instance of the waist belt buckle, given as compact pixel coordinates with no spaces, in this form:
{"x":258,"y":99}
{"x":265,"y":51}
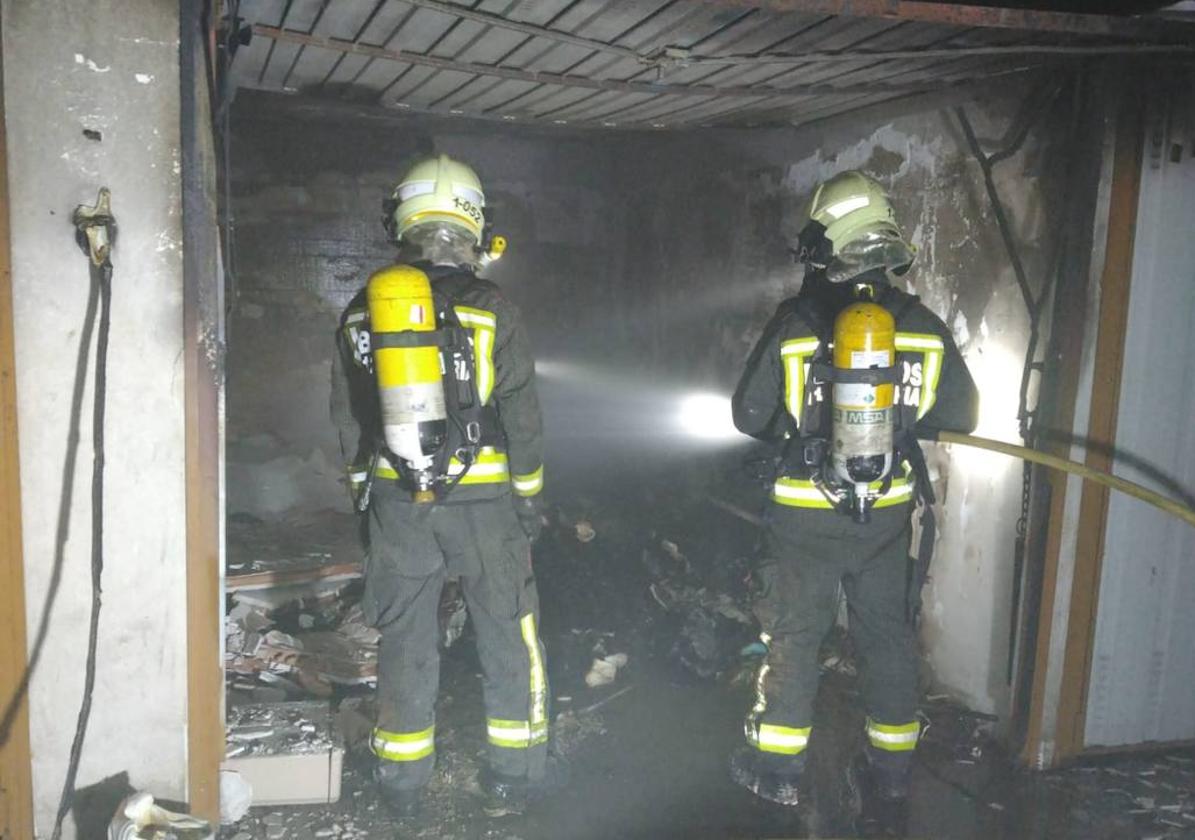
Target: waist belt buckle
{"x":473,"y":431}
{"x":813,"y":453}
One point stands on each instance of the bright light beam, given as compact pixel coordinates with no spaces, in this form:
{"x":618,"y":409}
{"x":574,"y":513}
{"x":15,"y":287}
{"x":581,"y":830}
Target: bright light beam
{"x":706,"y":416}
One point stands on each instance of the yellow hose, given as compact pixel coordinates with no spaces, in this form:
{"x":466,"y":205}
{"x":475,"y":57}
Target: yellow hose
{"x":1082,"y":470}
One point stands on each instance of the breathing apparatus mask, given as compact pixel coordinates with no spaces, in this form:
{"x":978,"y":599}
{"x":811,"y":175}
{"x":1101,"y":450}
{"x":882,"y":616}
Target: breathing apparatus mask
{"x":879,"y":248}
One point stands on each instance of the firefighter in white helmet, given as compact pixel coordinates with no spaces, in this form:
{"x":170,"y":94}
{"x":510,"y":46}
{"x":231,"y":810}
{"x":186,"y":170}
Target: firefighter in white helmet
{"x":841,"y":516}
{"x":464,"y":506}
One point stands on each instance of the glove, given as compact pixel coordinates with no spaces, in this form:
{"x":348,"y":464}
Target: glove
{"x":530,"y":511}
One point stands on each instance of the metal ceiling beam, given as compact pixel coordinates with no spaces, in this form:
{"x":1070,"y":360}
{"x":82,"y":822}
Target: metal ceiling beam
{"x":534,"y":30}
{"x":954,"y":14}
{"x":976,"y":50}
{"x":572,"y":81}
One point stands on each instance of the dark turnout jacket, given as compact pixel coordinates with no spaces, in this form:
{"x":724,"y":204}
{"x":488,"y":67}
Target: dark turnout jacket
{"x":505,"y":377}
{"x":779,"y":399}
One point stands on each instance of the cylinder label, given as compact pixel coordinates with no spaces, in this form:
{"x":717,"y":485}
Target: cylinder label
{"x":416,"y":403}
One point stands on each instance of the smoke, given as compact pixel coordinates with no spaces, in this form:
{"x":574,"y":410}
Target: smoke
{"x":600,"y":420}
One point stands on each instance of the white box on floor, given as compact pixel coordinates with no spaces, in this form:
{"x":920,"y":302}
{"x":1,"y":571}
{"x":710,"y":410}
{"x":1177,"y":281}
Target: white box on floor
{"x":309,"y":779}
{"x":287,"y":752}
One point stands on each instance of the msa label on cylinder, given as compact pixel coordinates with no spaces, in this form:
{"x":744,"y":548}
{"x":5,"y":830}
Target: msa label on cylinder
{"x":857,"y":417}
{"x":862,"y":432}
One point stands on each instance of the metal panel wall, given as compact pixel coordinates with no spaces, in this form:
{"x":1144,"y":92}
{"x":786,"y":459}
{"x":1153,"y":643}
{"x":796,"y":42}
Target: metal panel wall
{"x":1143,"y":664}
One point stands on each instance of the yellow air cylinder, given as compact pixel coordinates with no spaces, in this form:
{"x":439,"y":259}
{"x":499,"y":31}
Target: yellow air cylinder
{"x":410,"y":382}
{"x":864,"y":416}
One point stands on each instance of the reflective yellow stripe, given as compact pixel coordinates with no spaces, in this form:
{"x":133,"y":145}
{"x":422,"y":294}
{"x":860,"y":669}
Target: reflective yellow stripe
{"x":415,"y":218}
{"x":930,"y":374}
{"x":795,"y":354}
{"x":801,"y":492}
{"x":784,"y":740}
{"x":515,"y":734}
{"x":529,"y":484}
{"x":484,"y":325}
{"x":539,"y":685}
{"x":403,"y":746}
{"x":900,"y":737}
{"x":471,"y":317}
{"x":384,"y":470}
{"x":919,"y":341}
{"x":491,"y":467}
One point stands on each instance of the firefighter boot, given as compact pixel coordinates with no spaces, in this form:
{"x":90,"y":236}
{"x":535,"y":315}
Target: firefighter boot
{"x":771,"y":777}
{"x":878,"y":782}
{"x":403,"y":803}
{"x":510,"y":795}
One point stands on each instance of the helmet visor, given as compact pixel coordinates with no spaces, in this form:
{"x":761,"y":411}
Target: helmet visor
{"x":442,"y":243}
{"x":881,"y":248}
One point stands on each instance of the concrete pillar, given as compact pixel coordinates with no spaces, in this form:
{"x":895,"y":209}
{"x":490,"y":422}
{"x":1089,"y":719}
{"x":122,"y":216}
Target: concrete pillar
{"x":92,"y":96}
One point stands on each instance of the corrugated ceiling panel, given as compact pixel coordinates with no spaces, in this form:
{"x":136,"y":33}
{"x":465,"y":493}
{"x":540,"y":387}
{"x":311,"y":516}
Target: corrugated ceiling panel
{"x":252,"y":58}
{"x":642,"y":26}
{"x":345,"y":20}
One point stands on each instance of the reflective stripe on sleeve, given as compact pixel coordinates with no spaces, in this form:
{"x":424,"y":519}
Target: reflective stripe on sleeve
{"x":900,"y":737}
{"x":515,"y":734}
{"x":403,"y":746}
{"x":782,"y":740}
{"x":529,"y":484}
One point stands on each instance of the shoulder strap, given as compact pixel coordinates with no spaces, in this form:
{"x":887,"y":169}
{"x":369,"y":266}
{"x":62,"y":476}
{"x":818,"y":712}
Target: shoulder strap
{"x":811,"y":419}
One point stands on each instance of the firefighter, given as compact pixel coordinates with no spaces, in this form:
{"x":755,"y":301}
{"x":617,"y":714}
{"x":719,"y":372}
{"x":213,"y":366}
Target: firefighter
{"x":486,"y":509}
{"x":825,"y":532}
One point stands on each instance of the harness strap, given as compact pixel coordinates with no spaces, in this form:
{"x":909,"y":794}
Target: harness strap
{"x":826,"y":372}
{"x":410,"y":338}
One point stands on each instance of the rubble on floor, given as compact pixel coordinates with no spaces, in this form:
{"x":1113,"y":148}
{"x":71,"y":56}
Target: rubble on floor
{"x":295,"y":626}
{"x":140,"y":818}
{"x":702,"y":605}
{"x":661,"y":595}
{"x":1149,"y":797}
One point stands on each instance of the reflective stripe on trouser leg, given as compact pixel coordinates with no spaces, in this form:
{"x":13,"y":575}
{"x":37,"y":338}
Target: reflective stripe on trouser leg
{"x":538,"y":706}
{"x":781,"y":740}
{"x":515,"y":734}
{"x":403,"y":746}
{"x":900,"y":737}
{"x":760,"y":704}
{"x":771,"y":737}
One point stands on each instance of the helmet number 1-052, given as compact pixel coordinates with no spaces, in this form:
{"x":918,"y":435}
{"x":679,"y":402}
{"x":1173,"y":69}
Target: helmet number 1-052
{"x":468,"y":208}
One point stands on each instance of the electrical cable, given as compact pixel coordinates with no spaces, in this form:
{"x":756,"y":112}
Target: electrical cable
{"x":65,"y":506}
{"x":101,"y":275}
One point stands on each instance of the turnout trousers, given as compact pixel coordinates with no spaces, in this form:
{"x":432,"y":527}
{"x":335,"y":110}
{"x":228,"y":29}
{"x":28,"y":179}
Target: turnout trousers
{"x":808,"y":554}
{"x":413,"y":549}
